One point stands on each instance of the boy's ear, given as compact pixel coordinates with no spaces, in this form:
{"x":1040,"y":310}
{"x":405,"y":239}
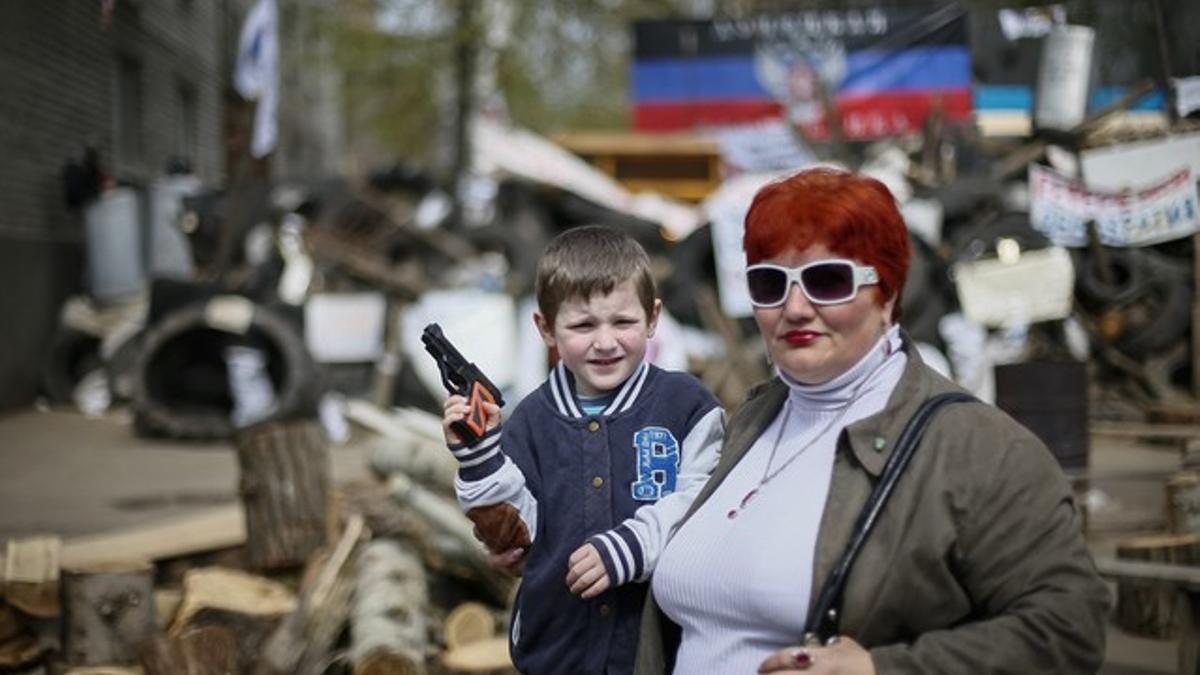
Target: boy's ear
{"x":544,"y":328}
{"x":652,"y":320}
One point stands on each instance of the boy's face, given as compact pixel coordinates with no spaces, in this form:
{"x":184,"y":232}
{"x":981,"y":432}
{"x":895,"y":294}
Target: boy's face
{"x":600,"y":340}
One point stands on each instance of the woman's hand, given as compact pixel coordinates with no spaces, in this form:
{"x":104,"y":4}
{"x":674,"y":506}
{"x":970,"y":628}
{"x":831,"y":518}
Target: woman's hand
{"x":455,"y":409}
{"x":586,"y":576}
{"x":843,"y":657}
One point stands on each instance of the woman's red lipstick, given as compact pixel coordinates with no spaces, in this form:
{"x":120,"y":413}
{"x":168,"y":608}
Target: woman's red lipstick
{"x":800,"y":338}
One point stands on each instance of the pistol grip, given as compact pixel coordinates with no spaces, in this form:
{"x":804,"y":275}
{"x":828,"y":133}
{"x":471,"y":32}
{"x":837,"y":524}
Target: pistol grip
{"x":476,"y":419}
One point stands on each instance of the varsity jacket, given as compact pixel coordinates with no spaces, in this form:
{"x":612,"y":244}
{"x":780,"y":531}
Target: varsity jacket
{"x":552,"y":478}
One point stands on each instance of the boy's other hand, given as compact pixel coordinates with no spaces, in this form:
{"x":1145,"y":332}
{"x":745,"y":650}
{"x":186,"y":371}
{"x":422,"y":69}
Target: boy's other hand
{"x":455,"y":409}
{"x":586,"y":576}
{"x":511,"y":562}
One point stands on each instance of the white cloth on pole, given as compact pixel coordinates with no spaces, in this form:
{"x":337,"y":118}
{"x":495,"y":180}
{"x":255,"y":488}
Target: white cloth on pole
{"x":256,"y":75}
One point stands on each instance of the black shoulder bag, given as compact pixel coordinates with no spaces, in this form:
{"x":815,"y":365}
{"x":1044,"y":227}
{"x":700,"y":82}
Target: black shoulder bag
{"x":824,"y":619}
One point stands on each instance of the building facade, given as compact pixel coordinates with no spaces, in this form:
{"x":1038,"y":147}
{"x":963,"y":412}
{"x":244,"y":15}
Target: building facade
{"x":142,"y":83}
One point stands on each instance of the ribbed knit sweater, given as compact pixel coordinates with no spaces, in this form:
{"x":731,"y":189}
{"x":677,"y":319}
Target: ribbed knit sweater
{"x":739,"y":587}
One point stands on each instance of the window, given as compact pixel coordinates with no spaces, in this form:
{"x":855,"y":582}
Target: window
{"x":186,"y":124}
{"x":128,"y":117}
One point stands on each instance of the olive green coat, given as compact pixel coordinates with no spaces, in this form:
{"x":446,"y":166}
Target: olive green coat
{"x":977,"y":564}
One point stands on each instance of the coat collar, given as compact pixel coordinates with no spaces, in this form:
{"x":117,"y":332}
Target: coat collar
{"x":872,"y":439}
{"x":562,"y":392}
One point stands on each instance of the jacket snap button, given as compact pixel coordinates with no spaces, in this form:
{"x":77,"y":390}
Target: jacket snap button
{"x":604,"y":610}
{"x":597,"y":482}
{"x":593,"y":425}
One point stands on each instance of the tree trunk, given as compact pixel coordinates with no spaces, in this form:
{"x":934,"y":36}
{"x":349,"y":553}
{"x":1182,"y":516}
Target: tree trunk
{"x":387,"y":620}
{"x":248,"y":605}
{"x":1145,"y":608}
{"x":207,"y":650}
{"x":284,"y":482}
{"x":107,"y":612}
{"x":301,"y":643}
{"x":1183,"y":502}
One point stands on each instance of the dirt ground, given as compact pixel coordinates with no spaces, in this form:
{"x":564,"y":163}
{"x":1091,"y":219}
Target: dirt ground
{"x":66,"y":474}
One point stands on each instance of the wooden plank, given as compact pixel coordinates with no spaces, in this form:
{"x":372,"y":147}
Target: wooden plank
{"x":1187,"y":576}
{"x":1142,"y":430}
{"x":217,"y":528}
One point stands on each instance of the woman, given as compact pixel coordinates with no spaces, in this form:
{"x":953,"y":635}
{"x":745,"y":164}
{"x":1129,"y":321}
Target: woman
{"x":977,"y":564}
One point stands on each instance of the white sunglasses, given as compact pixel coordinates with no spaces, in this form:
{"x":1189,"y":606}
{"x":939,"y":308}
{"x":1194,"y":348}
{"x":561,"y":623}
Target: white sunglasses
{"x":823,"y":282}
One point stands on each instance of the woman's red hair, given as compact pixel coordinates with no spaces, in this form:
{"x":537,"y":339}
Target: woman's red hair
{"x":854,"y":216}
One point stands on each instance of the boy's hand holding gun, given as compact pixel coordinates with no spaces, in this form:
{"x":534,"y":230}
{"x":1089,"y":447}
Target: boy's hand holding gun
{"x":469,"y":413}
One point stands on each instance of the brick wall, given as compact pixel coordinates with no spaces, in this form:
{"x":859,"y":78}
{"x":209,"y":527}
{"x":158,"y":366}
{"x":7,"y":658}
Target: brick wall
{"x":59,"y":71}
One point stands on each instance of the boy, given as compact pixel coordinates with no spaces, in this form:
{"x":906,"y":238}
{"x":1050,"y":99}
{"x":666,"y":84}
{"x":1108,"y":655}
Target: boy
{"x":595,"y":468}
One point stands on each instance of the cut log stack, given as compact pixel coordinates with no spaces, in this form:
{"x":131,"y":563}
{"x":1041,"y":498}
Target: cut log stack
{"x":400,"y":540}
{"x":1183,"y":502}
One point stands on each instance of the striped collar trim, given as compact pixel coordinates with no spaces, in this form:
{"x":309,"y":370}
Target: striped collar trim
{"x":562,"y":390}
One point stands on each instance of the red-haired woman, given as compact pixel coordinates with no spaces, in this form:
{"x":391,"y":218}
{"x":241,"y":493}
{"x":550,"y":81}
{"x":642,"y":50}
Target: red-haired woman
{"x":974,"y":561}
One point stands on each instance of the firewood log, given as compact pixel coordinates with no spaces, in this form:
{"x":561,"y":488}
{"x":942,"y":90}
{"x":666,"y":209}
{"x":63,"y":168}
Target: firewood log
{"x":467,"y":623}
{"x":462,"y":549}
{"x":387,"y":619}
{"x":206,"y":650}
{"x":108,"y":610}
{"x":31,"y":569}
{"x":1183,"y":502}
{"x":252,"y":606}
{"x":1147,"y":609}
{"x":301,"y":643}
{"x":486,"y":656}
{"x":285,"y":474}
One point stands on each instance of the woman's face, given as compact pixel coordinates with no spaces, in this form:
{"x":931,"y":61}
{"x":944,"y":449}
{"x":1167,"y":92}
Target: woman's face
{"x":816,"y":343}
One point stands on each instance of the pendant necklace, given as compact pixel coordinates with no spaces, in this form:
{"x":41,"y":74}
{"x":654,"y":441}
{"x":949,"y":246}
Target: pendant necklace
{"x":768,"y":474}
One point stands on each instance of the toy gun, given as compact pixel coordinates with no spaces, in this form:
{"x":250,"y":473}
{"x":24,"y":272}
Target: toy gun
{"x":461,"y":377}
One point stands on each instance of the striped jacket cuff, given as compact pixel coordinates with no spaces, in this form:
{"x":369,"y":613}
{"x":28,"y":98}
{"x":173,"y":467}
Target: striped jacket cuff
{"x":480,"y":460}
{"x":621,"y":552}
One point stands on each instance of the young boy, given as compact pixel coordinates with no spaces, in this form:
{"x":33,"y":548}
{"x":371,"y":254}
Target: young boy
{"x":595,"y":468}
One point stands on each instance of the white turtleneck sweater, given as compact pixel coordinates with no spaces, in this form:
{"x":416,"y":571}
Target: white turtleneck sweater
{"x":739,"y":587}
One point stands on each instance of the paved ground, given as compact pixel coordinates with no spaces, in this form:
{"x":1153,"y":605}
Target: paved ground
{"x":66,"y":474}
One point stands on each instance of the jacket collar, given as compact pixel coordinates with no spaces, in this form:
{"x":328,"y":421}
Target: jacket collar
{"x":872,"y":439}
{"x":562,"y":391}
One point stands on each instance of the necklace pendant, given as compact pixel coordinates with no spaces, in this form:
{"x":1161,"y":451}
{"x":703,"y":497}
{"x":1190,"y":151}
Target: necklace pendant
{"x":733,"y":513}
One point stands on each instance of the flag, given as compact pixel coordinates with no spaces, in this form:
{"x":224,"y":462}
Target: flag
{"x":256,"y":75}
{"x":885,"y":70}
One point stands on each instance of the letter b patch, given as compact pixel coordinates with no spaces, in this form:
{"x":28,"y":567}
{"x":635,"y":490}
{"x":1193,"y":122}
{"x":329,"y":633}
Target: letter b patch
{"x":657,"y":463}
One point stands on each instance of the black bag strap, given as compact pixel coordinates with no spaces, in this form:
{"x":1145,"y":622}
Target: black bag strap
{"x":824,"y":619}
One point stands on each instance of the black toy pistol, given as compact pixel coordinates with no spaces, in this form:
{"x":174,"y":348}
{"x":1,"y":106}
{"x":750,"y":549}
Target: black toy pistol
{"x":461,"y":377}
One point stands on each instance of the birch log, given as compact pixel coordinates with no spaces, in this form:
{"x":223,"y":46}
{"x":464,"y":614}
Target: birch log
{"x":107,"y":612}
{"x":387,"y":619}
{"x":285,"y":474}
{"x":463,"y":549}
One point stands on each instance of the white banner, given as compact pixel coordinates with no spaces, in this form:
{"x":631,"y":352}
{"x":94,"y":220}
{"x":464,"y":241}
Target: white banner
{"x":1060,"y":208}
{"x":1037,"y":286}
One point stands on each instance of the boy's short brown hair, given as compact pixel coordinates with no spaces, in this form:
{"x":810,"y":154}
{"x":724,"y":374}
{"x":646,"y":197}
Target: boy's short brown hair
{"x":589,"y":260}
